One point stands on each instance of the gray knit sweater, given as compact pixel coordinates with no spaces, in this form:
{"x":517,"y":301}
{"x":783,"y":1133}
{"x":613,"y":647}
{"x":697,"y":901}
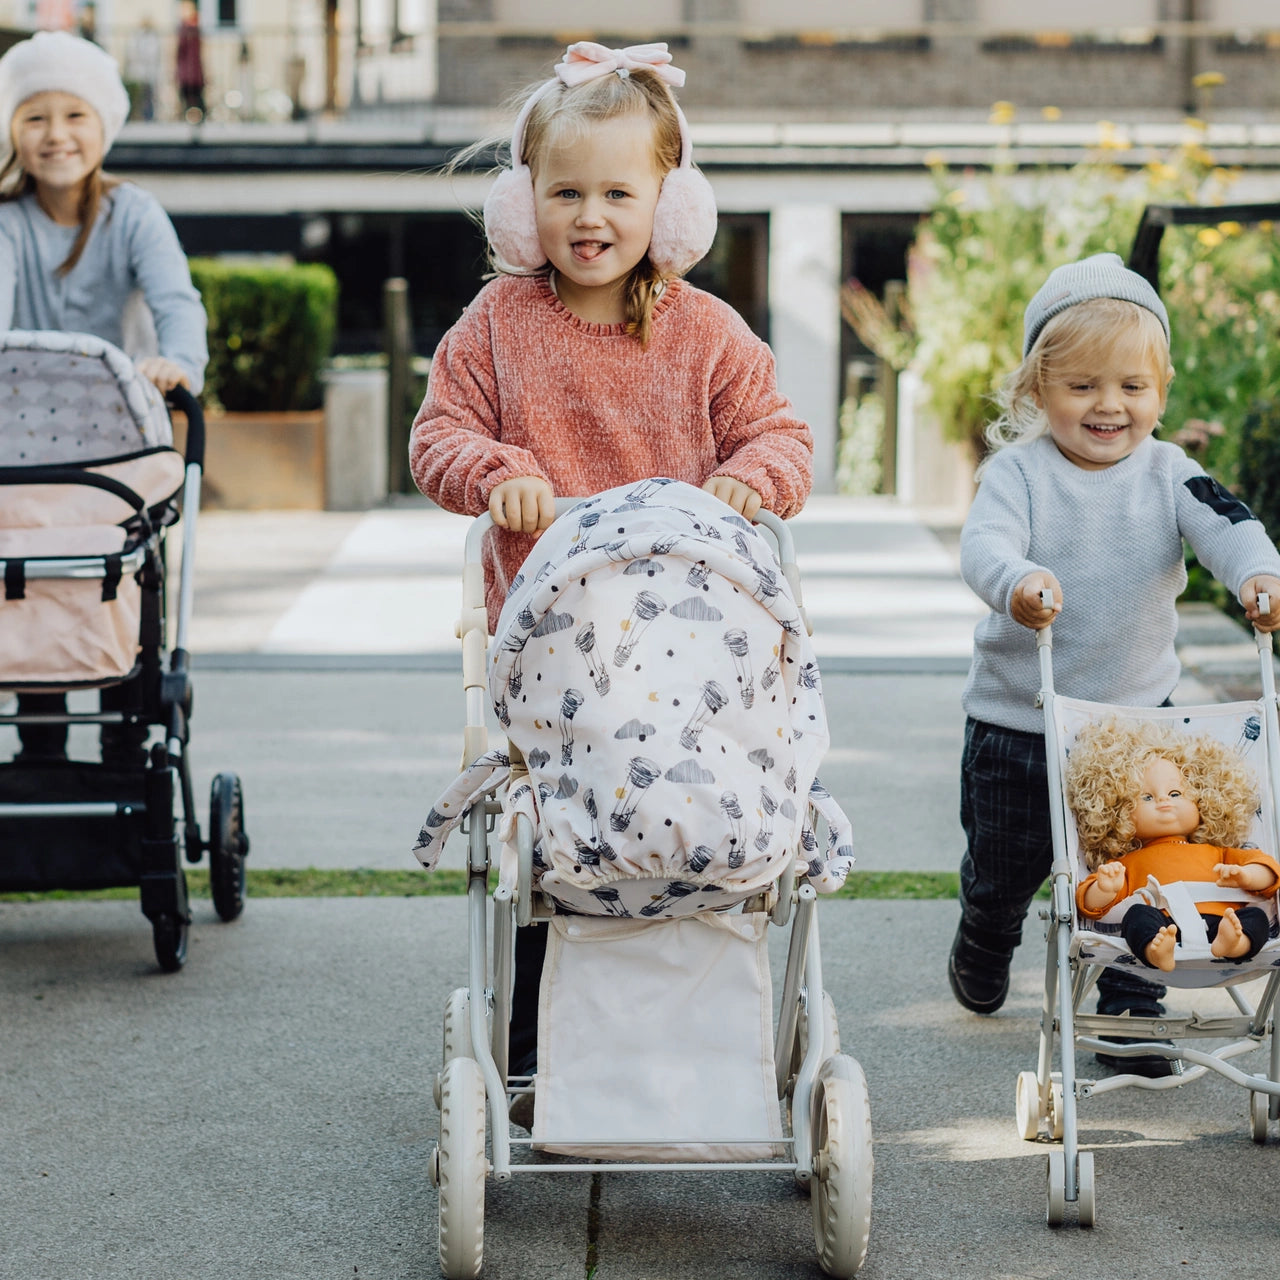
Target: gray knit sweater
{"x":133,"y":247}
{"x":1113,"y":539}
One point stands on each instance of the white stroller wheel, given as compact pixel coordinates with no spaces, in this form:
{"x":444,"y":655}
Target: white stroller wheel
{"x":1086,"y":1202}
{"x":457,"y":1033}
{"x":1259,"y":1115}
{"x":1056,"y":1189}
{"x":843,"y":1165}
{"x":461,"y":1169}
{"x":1027,"y":1112}
{"x":1056,"y":1120}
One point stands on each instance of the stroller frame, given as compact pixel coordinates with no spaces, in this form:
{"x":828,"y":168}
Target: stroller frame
{"x":830,"y":1148}
{"x":1048,"y":1099}
{"x":143,"y":837}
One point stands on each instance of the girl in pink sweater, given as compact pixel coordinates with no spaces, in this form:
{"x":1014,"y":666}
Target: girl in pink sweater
{"x":588,"y":362}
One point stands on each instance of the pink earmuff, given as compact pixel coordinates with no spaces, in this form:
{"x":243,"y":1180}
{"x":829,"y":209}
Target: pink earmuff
{"x":684,"y":221}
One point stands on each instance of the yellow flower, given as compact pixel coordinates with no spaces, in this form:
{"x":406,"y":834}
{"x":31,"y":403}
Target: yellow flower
{"x":1266,"y":227}
{"x":1208,"y":79}
{"x":1230,"y":228}
{"x":935,"y":159}
{"x":1051,"y":113}
{"x":958,"y":196}
{"x":1001,"y":113}
{"x":1210,"y":237}
{"x":1192,"y":122}
{"x":1161,"y":171}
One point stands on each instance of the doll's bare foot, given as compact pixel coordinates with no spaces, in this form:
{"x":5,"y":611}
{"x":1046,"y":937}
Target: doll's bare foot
{"x":1231,"y":942}
{"x":1159,"y":952}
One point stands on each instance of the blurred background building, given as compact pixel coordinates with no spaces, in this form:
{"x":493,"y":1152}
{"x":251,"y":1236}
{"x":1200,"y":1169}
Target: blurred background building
{"x":822,"y":125}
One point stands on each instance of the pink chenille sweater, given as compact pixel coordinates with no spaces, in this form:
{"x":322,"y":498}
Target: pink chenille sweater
{"x":521,"y":387}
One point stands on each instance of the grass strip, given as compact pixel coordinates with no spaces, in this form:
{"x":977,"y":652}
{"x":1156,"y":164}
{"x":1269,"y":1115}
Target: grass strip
{"x":315,"y":882}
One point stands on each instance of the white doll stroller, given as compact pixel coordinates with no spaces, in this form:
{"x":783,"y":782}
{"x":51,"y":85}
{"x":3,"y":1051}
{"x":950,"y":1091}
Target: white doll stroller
{"x":89,"y":482}
{"x":1079,"y":949}
{"x":653,"y":673}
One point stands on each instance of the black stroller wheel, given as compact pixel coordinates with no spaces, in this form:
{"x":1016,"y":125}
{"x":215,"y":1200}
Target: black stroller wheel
{"x":169,"y":934}
{"x":228,"y":845}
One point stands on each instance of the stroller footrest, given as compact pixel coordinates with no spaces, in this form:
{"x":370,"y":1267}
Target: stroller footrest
{"x":1161,"y":1028}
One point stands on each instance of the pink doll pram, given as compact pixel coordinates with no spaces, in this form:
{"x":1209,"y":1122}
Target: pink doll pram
{"x":653,"y":674}
{"x":89,"y":481}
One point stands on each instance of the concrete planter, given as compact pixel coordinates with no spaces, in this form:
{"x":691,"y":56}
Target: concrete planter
{"x":332,"y":459}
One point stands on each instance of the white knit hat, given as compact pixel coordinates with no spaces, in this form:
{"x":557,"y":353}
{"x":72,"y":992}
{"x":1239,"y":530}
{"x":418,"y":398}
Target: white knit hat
{"x":56,"y":60}
{"x":1102,"y":276}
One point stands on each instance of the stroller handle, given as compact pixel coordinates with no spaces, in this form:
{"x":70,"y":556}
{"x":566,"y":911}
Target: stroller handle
{"x":775,"y":524}
{"x":182,"y":399}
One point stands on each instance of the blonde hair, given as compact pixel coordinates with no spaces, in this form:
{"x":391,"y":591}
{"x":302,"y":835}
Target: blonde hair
{"x":563,"y":114}
{"x":1075,"y":340}
{"x":15,"y":183}
{"x":1103,"y":780}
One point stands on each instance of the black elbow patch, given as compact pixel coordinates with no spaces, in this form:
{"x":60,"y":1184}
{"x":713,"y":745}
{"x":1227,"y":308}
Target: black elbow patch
{"x":1207,"y":490}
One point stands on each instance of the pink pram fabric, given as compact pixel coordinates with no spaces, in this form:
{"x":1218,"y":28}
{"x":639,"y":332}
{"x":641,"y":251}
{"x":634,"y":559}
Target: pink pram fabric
{"x":87,"y":473}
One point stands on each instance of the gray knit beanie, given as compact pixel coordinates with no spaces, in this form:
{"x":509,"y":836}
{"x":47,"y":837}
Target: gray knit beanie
{"x":1102,"y":276}
{"x":56,"y":60}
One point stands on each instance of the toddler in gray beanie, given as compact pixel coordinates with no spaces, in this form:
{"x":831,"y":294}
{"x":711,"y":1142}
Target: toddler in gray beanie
{"x":1102,"y":276}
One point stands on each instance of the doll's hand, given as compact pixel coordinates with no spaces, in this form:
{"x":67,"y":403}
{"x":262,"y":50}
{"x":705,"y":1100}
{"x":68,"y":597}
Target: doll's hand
{"x":1249,"y":594}
{"x":1111,"y":878}
{"x":164,"y":373}
{"x":1026,"y":608}
{"x":741,"y":497}
{"x":1253,"y":877}
{"x":526,"y":504}
{"x":1107,"y":886}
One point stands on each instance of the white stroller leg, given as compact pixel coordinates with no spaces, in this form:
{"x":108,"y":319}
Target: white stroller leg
{"x":802,"y":1091}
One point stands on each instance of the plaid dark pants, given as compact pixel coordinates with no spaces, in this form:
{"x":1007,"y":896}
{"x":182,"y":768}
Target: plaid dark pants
{"x":1004,"y":809}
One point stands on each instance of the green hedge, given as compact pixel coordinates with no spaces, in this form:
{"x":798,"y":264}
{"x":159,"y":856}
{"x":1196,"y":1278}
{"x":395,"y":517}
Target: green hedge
{"x":271,"y":328}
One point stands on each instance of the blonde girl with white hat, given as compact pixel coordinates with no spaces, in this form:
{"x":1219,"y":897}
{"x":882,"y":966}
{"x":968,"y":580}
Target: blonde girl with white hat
{"x":75,"y":244}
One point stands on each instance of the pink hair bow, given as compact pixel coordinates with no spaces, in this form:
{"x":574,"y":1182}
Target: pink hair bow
{"x":588,"y":61}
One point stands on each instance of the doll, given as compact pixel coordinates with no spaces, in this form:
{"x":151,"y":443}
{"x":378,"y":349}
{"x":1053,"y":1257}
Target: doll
{"x":1149,"y":801}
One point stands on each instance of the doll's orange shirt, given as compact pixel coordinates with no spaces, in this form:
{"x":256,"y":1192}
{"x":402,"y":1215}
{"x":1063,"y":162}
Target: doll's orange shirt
{"x":1171,"y":860}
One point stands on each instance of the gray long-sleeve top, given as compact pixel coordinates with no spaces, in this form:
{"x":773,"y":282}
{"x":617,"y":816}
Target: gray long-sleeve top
{"x":133,"y":246}
{"x":1113,"y":539}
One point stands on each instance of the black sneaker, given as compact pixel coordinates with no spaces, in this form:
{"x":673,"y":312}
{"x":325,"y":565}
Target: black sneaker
{"x":1150,"y":1065}
{"x":979,"y":977}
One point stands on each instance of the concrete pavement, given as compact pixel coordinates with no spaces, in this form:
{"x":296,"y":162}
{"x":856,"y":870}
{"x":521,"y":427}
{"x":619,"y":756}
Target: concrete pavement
{"x":268,"y":1111}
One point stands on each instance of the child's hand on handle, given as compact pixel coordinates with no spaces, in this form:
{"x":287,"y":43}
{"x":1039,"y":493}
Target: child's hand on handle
{"x":1028,"y":609}
{"x":526,"y":504}
{"x":741,"y":497}
{"x":164,"y":373}
{"x":1263,"y":584}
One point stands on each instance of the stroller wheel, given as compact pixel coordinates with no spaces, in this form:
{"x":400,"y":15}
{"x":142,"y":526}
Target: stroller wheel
{"x":1259,"y":1104}
{"x":457,"y":1033}
{"x":461,"y":1169}
{"x":228,"y":845}
{"x":1027,"y":1106}
{"x":841,"y":1194}
{"x":1056,"y":1189}
{"x":1086,"y":1203}
{"x":169,"y":934}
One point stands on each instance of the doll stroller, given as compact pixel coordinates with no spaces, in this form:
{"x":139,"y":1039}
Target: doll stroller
{"x":89,"y":484}
{"x":1079,"y":949}
{"x":653,"y":674}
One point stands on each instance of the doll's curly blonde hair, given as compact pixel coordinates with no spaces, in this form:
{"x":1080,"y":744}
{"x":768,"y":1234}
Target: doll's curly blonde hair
{"x":1104,"y":777}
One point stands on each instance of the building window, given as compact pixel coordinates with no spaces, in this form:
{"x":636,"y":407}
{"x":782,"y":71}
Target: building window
{"x":1125,"y":20}
{"x":872,"y":16}
{"x":227,"y":15}
{"x":553,"y":16}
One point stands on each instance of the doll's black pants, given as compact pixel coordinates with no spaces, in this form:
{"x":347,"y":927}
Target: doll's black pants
{"x":1142,"y":923}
